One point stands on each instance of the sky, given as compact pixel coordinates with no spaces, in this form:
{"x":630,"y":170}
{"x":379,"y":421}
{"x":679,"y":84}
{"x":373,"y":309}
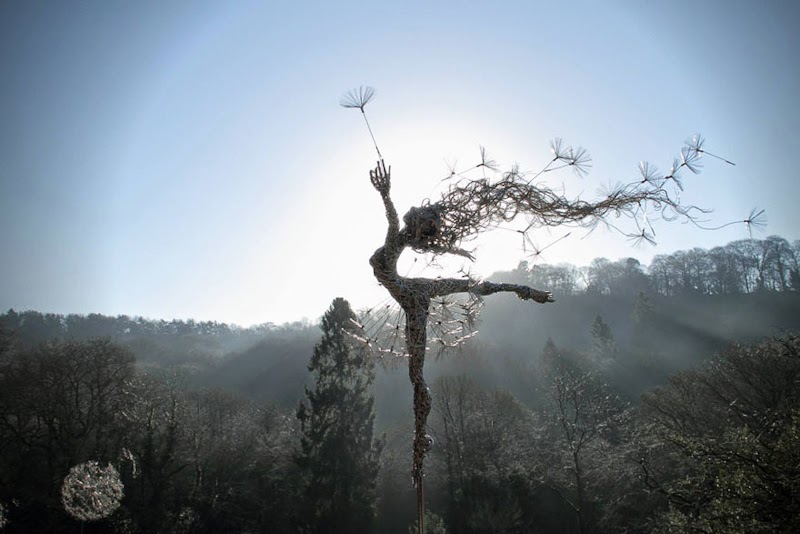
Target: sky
{"x":190,"y":159}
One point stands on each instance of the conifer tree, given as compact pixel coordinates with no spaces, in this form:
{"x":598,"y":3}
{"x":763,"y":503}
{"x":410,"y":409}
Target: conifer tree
{"x":603,"y":345}
{"x":643,"y":321}
{"x":338,"y":457}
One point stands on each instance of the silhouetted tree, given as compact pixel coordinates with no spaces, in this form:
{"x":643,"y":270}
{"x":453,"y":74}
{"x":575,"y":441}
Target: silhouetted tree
{"x":339,"y":457}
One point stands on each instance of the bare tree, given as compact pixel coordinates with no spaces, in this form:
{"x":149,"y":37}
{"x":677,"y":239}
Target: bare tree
{"x":471,"y":206}
{"x":584,"y":417}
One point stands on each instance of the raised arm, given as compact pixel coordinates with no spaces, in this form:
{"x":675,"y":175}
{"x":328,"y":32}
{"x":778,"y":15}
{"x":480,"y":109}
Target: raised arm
{"x":381,"y":181}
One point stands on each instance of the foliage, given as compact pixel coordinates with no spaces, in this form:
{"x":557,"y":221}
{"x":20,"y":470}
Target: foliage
{"x":586,"y":420}
{"x":91,"y":492}
{"x":714,"y":450}
{"x":189,"y":344}
{"x":205,"y":461}
{"x":433,"y":524}
{"x":60,"y":404}
{"x":603,"y":346}
{"x":3,"y":516}
{"x":721,"y":443}
{"x":486,"y":446}
{"x":744,"y":266}
{"x":339,"y":458}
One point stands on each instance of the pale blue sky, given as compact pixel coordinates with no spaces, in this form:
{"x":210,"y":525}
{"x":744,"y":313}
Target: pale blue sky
{"x":190,"y":159}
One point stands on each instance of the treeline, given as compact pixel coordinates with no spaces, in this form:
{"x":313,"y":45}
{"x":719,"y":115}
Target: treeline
{"x":199,"y":348}
{"x":32,"y":327}
{"x":714,"y":450}
{"x":601,"y":429}
{"x":188,"y":460}
{"x":745,"y":266}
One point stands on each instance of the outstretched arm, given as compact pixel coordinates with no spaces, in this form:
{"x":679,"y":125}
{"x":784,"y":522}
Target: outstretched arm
{"x":449,"y":286}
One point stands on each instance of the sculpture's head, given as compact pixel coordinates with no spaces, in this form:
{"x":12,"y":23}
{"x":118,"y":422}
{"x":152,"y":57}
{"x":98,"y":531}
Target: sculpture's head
{"x":423,"y":226}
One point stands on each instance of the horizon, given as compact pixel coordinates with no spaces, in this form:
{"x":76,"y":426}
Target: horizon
{"x":306,"y":321}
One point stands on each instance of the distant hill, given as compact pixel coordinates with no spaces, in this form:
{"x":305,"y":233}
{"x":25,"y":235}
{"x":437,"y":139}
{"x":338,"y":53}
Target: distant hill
{"x":662,"y":319}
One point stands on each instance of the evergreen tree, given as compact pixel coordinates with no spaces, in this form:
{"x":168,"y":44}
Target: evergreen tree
{"x":338,"y":457}
{"x":644,"y":329}
{"x":603,"y":345}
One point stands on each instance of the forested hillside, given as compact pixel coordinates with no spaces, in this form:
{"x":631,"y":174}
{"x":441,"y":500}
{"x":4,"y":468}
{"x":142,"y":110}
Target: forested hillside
{"x":645,"y":399}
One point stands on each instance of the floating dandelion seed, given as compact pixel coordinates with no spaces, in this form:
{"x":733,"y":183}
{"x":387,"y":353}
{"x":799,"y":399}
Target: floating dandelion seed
{"x":487,"y":162}
{"x":641,"y":238}
{"x":756,"y":219}
{"x":696,"y":144}
{"x":358,"y":99}
{"x":451,"y":166}
{"x":610,"y":191}
{"x":580,"y":161}
{"x":557,"y":148}
{"x":690,"y":158}
{"x":673,"y":174}
{"x":536,"y":251}
{"x":649,"y":173}
{"x":576,"y":157}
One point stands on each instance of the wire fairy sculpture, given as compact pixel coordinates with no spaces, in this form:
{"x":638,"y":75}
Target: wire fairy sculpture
{"x":436,"y":314}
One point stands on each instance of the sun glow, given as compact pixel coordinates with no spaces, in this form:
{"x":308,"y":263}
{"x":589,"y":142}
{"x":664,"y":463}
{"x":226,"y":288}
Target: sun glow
{"x":337,"y":220}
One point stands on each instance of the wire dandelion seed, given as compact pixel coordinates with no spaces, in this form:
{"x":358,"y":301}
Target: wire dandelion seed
{"x":674,"y":174}
{"x":90,"y":492}
{"x":556,"y":147}
{"x":757,"y":219}
{"x":690,"y":159}
{"x":358,"y":99}
{"x":487,"y":162}
{"x":650,"y":174}
{"x":577,"y":158}
{"x":639,"y":240}
{"x":451,"y":166}
{"x":580,"y":161}
{"x":532,"y":251}
{"x":379,"y":331}
{"x":696,"y":144}
{"x":452,"y":321}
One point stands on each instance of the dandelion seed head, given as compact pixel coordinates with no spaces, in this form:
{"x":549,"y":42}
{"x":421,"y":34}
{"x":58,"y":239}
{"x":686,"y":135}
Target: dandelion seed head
{"x":357,"y":98}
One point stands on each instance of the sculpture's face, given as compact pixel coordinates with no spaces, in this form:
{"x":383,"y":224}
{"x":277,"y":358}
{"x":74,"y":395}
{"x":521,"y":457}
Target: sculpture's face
{"x":423,"y":225}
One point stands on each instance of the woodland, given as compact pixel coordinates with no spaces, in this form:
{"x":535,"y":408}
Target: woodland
{"x":647,"y":398}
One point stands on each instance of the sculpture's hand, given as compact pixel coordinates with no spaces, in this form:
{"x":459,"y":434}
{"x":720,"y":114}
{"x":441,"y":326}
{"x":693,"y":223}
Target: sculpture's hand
{"x":381,"y":178}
